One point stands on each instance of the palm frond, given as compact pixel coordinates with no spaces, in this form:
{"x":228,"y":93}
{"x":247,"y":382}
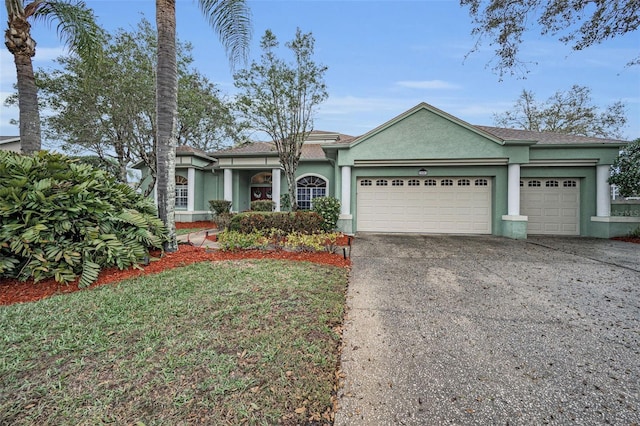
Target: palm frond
{"x":76,"y":26}
{"x":231,"y":19}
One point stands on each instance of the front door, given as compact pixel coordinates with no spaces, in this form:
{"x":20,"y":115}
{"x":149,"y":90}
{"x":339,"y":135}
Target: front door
{"x":261,"y":193}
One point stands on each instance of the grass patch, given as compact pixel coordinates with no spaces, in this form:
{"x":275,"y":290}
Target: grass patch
{"x":248,"y":341}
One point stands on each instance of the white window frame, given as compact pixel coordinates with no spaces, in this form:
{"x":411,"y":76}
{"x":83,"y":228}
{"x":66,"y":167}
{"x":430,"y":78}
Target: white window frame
{"x":313,"y":191}
{"x":182,"y":193}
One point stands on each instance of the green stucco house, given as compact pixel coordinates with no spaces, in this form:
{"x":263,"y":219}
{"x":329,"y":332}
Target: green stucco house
{"x":424,"y":171}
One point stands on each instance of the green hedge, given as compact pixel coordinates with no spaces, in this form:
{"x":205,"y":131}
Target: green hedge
{"x":263,"y":206}
{"x":304,"y":222}
{"x":62,"y":219}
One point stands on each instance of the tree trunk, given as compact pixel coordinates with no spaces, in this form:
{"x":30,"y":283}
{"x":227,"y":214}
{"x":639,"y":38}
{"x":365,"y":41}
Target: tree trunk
{"x":19,"y":42}
{"x":166,"y":112}
{"x":291,"y":181}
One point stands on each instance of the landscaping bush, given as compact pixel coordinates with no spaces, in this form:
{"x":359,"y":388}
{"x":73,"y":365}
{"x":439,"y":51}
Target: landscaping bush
{"x":219,"y":206}
{"x":304,"y":222}
{"x":329,"y":209}
{"x":263,"y":206}
{"x":223,"y":220}
{"x":312,"y":242}
{"x":234,"y":240}
{"x":62,"y":219}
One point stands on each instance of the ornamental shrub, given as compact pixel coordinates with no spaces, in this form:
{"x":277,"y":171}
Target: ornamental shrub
{"x":219,"y":206}
{"x":329,"y":209}
{"x":312,"y":242}
{"x":234,"y":240}
{"x":62,"y":219}
{"x":305,"y":222}
{"x":263,"y":206}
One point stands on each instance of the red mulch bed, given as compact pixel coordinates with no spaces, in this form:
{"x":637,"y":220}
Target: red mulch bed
{"x":13,"y":291}
{"x":203,"y":224}
{"x":635,"y":240}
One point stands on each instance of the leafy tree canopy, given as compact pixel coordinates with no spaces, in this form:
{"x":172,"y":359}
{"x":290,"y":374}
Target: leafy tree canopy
{"x":570,"y":112}
{"x":625,"y":172}
{"x":108,"y":108}
{"x":580,"y":23}
{"x":280,"y":98}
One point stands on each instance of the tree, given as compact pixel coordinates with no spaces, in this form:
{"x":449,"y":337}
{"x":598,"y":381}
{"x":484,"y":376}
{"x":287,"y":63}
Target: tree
{"x":625,"y":172}
{"x":280,"y":99}
{"x":76,"y":27}
{"x":569,"y":112}
{"x":206,"y":119}
{"x":230,"y":19}
{"x":108,"y":109}
{"x":581,"y":23}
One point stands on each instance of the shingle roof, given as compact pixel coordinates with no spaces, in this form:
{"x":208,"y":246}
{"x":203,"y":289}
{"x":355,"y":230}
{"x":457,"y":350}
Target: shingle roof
{"x":310,"y":151}
{"x":546,"y":138}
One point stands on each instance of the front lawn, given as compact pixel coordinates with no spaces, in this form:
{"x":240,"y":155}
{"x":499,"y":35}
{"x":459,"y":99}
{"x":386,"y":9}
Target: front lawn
{"x":229,"y":342}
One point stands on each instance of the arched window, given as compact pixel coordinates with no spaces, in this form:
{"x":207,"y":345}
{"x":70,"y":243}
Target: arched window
{"x":308,"y":188}
{"x":182,"y":192}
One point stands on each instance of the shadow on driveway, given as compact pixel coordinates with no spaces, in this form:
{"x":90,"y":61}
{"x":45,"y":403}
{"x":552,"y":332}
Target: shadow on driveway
{"x":488,"y":330}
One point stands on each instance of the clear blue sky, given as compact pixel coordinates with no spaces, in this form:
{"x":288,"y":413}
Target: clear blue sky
{"x":384,"y":57}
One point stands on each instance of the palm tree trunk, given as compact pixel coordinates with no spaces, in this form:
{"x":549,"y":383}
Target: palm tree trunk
{"x":19,"y":42}
{"x":166,"y":112}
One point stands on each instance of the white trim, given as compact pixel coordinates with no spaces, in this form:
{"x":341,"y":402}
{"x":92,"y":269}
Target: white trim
{"x":326,"y":191}
{"x":616,"y":219}
{"x":513,"y":190}
{"x":426,"y":163}
{"x":275,"y":188}
{"x":345,"y":195}
{"x":316,"y":175}
{"x":517,"y":218}
{"x":603,"y":189}
{"x":561,"y":163}
{"x":228,"y":184}
{"x":191,"y":188}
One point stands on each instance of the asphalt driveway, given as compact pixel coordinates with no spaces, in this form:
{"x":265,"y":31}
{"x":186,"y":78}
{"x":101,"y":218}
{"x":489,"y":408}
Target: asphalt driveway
{"x":488,"y":330}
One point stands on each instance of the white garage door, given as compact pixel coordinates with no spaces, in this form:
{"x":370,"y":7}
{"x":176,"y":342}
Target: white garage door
{"x":429,"y":205}
{"x":553,"y":206}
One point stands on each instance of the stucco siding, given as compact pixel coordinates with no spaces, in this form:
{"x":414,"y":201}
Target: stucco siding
{"x":424,"y":135}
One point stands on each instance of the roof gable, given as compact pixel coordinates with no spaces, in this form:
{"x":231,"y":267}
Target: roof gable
{"x":426,"y":132}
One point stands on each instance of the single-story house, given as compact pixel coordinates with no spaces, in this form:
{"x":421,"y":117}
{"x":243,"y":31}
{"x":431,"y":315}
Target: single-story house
{"x":10,"y":143}
{"x":424,"y":171}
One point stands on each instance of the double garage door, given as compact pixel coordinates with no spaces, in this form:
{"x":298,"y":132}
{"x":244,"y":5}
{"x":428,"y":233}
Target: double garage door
{"x":462,"y":205}
{"x":455,"y":205}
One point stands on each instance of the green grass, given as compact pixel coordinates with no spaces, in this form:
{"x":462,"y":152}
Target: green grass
{"x":211,"y":343}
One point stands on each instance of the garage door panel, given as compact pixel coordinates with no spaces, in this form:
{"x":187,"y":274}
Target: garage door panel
{"x":552,"y":210}
{"x":424,"y":208}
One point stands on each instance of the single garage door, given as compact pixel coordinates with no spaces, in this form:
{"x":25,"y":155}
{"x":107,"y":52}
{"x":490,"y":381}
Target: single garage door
{"x":426,"y":205}
{"x":553,"y":206}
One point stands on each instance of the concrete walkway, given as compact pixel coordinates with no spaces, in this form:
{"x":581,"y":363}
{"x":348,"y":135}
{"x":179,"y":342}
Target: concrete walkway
{"x":487,"y":330}
{"x":199,"y":238}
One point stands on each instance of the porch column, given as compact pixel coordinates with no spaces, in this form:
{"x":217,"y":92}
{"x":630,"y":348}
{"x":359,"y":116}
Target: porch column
{"x":228,"y":184}
{"x":513,"y":188}
{"x":275,"y":188}
{"x":603,"y":191}
{"x":345,"y":196}
{"x":191,"y":189}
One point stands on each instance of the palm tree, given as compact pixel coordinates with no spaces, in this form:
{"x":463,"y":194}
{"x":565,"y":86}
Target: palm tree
{"x":76,"y":27}
{"x":231,"y":20}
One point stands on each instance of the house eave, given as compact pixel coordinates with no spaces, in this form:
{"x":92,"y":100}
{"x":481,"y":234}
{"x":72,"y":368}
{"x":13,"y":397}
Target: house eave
{"x":432,"y":162}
